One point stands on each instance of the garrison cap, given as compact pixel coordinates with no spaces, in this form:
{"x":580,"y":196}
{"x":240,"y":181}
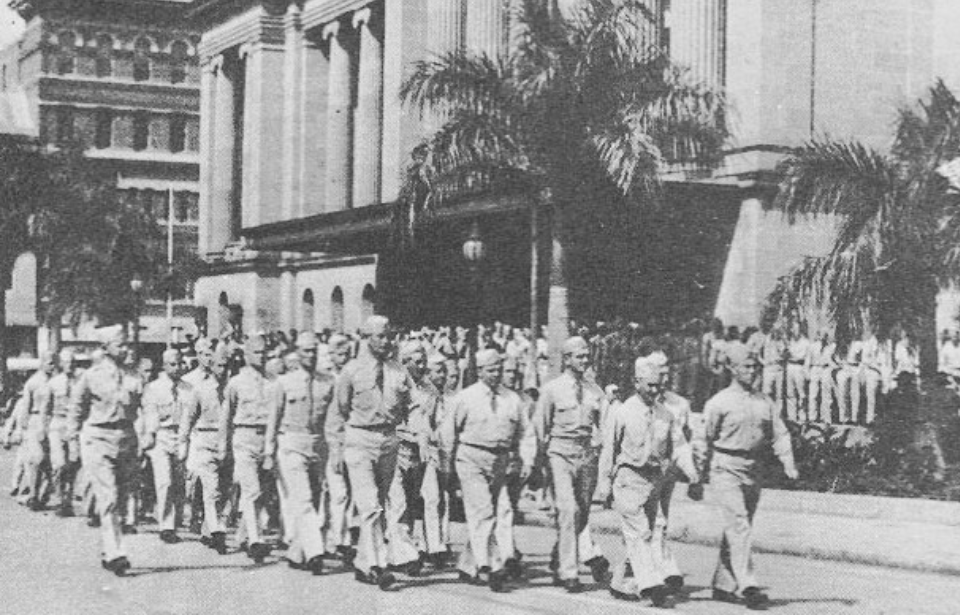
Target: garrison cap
{"x":307,"y":340}
{"x":574,"y":344}
{"x":375,"y":324}
{"x":738,"y":353}
{"x":487,"y":357}
{"x":411,"y":348}
{"x":649,"y":366}
{"x":203,"y":344}
{"x":337,"y":340}
{"x":436,"y":358}
{"x":254,"y":343}
{"x":171,"y":354}
{"x":510,"y":363}
{"x":113,"y":333}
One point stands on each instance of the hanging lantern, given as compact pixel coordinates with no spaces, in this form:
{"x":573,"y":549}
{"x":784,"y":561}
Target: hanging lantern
{"x":473,"y":248}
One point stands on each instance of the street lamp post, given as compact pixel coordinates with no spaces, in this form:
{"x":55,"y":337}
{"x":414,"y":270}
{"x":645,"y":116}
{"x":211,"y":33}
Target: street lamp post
{"x":474,"y":252}
{"x":136,"y":285}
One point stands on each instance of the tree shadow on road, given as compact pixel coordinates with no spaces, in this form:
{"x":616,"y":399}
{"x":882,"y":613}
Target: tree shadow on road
{"x":148,"y":570}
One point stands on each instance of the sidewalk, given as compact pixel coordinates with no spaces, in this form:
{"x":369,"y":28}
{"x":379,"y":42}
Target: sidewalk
{"x":918,"y":535}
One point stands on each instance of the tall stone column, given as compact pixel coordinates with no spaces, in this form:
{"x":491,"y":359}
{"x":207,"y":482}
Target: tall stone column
{"x":368,"y":135}
{"x":263,"y":120}
{"x":696,"y":38}
{"x":444,"y":26}
{"x":293,"y":59}
{"x":314,"y":78}
{"x":486,"y":26}
{"x":222,"y":157}
{"x":208,"y":81}
{"x":339,"y":120}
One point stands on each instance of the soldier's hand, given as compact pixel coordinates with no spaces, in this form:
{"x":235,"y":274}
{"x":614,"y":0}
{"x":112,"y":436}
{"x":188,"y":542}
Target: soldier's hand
{"x":182,"y":453}
{"x":525,"y":473}
{"x":73,"y":451}
{"x":695,"y":492}
{"x":791,"y":473}
{"x":604,"y":495}
{"x":268,"y":462}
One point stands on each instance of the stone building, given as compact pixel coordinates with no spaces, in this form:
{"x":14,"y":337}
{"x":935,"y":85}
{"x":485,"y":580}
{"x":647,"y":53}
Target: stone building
{"x":304,"y":141}
{"x":122,"y":77}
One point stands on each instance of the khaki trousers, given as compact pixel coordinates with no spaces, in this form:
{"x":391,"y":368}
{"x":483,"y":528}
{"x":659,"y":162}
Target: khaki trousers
{"x":203,"y":469}
{"x":338,"y":508}
{"x":636,"y":498}
{"x":35,"y":448}
{"x":738,"y":503}
{"x":482,"y":475}
{"x":63,"y":469}
{"x":301,"y":458}
{"x":167,"y":478}
{"x":573,"y":466}
{"x":436,"y":511}
{"x":371,"y":458}
{"x":248,"y":473}
{"x":407,"y":481}
{"x":110,"y":462}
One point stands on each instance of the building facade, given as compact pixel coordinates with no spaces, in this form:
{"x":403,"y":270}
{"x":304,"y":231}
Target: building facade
{"x":122,"y":78}
{"x":303,"y":144}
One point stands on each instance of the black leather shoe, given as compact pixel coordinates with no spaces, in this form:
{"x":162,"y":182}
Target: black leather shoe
{"x":498,"y":582}
{"x":573,"y":586}
{"x":366,"y":579}
{"x":65,"y":512}
{"x":658,"y":595}
{"x":619,"y":595}
{"x":207,"y":541}
{"x":118,"y":566}
{"x":258,"y":552}
{"x":469,"y":579}
{"x":315,"y":565}
{"x":347,"y":555}
{"x":599,"y":569}
{"x":557,"y":581}
{"x":724,"y":596}
{"x":513,"y":569}
{"x":292,"y":565}
{"x":170,"y":537}
{"x":127,"y":529}
{"x":755,"y":599}
{"x":674,"y":583}
{"x":218,"y":542}
{"x":93,"y":521}
{"x":385,"y":580}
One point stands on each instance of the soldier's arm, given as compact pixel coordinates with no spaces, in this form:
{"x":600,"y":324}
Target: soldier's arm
{"x":78,"y":407}
{"x":191,"y":412}
{"x":226,"y":419}
{"x":24,"y":404}
{"x":336,"y":421}
{"x":527,"y":440}
{"x":542,"y":422}
{"x":277,"y":404}
{"x":711,"y":430}
{"x":683,"y":451}
{"x":450,"y":433}
{"x":612,"y":437}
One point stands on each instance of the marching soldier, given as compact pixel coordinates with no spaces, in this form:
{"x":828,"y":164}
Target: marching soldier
{"x":199,"y":444}
{"x":403,"y":552}
{"x":163,"y":402}
{"x":641,"y":443}
{"x":63,"y":469}
{"x":243,"y":431}
{"x":567,"y":417}
{"x":295,"y":435}
{"x":372,"y":398}
{"x":105,"y":403}
{"x":35,"y":408}
{"x":339,"y":509}
{"x":205,"y":357}
{"x":483,"y":433}
{"x":434,"y":488}
{"x":741,"y":424}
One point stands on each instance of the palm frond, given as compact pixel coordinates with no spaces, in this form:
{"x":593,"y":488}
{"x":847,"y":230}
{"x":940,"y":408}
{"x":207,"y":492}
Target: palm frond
{"x":458,"y":81}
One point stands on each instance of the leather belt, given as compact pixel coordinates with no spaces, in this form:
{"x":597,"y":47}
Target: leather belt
{"x":489,"y":449}
{"x":735,"y":453}
{"x":382,"y":427}
{"x":113,"y":425}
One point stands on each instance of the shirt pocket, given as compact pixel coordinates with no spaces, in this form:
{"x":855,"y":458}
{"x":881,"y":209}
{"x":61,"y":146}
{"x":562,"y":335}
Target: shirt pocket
{"x":567,"y":415}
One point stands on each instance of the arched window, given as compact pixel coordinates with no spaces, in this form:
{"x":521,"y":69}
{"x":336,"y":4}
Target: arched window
{"x":223,"y":315}
{"x":368,"y":302}
{"x":307,"y":312}
{"x":178,"y":62}
{"x":104,"y":56}
{"x":141,"y":59}
{"x":67,"y":54}
{"x":336,"y":310}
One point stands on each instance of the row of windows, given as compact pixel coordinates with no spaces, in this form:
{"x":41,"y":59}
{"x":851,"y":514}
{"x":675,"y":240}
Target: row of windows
{"x":67,"y":53}
{"x":174,"y":132}
{"x":186,"y":204}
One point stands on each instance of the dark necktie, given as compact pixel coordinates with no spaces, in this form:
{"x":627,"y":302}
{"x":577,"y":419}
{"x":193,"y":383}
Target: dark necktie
{"x":379,"y":376}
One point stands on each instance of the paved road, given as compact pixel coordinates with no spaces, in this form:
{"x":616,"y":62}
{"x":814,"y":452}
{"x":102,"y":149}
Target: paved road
{"x":50,"y":566}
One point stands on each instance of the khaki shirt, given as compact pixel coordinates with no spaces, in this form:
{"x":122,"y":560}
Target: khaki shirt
{"x":205,"y":409}
{"x":560,"y":414}
{"x":62,"y":386}
{"x":105,"y":395}
{"x":250,"y":396}
{"x":487,"y":419}
{"x":644,"y":437}
{"x":37,"y":398}
{"x":360,"y":400}
{"x":164,"y":401}
{"x":300,"y":404}
{"x":740,"y":425}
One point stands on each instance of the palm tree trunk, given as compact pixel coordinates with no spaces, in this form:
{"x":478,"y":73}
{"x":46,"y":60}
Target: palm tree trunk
{"x":558,"y":316}
{"x":4,"y":285}
{"x":534,"y":283}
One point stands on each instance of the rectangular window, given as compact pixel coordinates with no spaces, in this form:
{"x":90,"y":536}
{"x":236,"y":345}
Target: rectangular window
{"x":178,"y":133}
{"x":141,"y":131}
{"x":104,"y":134}
{"x":64,"y":125}
{"x":104,"y":66}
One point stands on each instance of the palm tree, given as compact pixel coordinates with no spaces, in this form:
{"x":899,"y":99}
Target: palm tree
{"x":580,"y":103}
{"x":898,"y":225}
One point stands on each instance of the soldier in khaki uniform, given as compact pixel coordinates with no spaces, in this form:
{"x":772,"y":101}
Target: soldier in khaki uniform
{"x":642,"y":440}
{"x":339,"y":503}
{"x":63,"y":468}
{"x":567,"y":418}
{"x":295,"y":435}
{"x":433,"y":489}
{"x":243,"y":431}
{"x":741,"y":423}
{"x":199,"y":444}
{"x":105,"y":403}
{"x":372,"y":398}
{"x":164,"y":400}
{"x":483,"y":433}
{"x":35,"y":409}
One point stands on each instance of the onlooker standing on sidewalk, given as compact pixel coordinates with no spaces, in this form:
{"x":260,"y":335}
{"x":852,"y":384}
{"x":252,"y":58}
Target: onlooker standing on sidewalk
{"x":741,"y":424}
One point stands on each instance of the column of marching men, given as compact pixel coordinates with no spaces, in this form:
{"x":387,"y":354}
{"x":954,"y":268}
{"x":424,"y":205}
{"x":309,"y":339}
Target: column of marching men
{"x":349,"y":449}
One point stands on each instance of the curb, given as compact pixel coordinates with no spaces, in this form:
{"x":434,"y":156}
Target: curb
{"x":686,"y":533}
